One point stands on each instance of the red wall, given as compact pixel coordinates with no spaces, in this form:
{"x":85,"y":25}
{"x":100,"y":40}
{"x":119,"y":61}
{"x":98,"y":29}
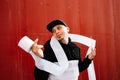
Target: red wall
{"x":96,"y":18}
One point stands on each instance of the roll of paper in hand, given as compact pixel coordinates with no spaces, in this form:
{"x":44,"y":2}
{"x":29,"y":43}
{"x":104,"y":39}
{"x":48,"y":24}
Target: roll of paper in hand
{"x":26,"y":43}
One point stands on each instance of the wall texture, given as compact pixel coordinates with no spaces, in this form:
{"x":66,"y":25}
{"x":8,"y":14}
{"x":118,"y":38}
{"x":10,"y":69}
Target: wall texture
{"x":98,"y":19}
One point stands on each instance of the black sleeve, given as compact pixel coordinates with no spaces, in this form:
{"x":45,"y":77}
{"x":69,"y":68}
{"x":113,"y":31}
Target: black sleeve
{"x":84,"y":64}
{"x":40,"y":75}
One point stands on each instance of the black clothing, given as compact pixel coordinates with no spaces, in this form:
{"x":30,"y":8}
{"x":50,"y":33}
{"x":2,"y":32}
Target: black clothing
{"x":72,"y":52}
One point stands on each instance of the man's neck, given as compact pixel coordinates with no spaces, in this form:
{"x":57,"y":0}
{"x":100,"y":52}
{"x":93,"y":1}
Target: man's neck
{"x":65,"y":40}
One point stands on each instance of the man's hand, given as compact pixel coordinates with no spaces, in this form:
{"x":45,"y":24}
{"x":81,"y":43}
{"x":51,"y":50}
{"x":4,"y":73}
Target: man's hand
{"x":92,"y":54}
{"x":36,"y":49}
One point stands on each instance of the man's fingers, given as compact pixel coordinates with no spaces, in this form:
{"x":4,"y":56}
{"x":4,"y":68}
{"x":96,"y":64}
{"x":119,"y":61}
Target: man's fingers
{"x":94,"y":51}
{"x":40,"y":46}
{"x":36,"y":40}
{"x":92,"y":54}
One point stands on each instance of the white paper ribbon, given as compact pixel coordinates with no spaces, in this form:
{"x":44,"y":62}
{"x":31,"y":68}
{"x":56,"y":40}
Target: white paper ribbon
{"x":59,"y":53}
{"x":91,"y":44}
{"x":56,"y":69}
{"x":63,"y":62}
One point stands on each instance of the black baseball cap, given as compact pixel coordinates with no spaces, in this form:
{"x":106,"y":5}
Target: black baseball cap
{"x":54,"y":23}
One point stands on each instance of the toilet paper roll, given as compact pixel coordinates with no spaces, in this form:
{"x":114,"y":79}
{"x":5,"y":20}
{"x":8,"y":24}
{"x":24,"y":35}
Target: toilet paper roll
{"x":25,"y":43}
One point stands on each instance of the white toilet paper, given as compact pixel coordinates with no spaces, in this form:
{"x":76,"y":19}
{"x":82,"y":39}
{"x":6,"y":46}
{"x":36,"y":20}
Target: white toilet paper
{"x":25,"y":43}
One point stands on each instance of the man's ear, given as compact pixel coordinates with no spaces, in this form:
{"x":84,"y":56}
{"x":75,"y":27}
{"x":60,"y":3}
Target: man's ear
{"x":68,"y":29}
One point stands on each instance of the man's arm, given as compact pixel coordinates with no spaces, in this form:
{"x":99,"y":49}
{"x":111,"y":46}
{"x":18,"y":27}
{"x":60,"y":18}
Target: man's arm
{"x":85,"y":63}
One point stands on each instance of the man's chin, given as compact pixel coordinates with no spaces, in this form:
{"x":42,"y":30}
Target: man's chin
{"x":60,"y":39}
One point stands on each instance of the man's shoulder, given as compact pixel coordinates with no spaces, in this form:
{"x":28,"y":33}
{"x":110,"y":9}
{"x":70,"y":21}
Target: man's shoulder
{"x":74,"y":45}
{"x":47,"y":43}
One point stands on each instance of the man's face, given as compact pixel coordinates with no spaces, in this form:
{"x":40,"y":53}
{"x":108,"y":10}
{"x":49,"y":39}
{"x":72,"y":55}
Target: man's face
{"x":60,"y":31}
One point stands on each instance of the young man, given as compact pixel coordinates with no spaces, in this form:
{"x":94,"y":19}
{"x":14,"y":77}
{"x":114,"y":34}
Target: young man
{"x":60,"y":31}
